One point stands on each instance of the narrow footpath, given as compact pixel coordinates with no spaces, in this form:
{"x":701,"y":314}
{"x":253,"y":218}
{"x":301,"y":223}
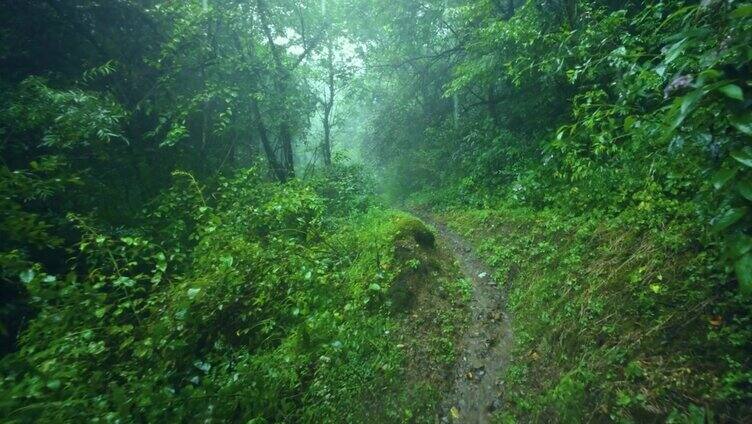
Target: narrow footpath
{"x":478,"y":383}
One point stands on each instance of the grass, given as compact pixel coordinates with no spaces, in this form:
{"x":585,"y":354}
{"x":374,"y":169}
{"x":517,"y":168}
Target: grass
{"x":613,"y":322}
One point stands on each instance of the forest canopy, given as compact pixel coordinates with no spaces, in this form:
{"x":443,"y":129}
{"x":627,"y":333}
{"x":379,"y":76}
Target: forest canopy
{"x":207,"y":209}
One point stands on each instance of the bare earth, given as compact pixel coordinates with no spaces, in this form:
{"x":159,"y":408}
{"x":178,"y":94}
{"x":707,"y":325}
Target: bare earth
{"x":478,"y":383}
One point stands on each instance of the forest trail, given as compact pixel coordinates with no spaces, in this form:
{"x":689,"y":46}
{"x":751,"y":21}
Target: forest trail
{"x":478,"y":385}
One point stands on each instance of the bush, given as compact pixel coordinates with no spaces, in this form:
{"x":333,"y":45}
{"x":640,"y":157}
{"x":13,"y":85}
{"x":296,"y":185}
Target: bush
{"x":249,"y":309}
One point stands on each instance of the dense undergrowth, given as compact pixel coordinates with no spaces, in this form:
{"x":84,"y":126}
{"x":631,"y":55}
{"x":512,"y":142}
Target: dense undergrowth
{"x":248,"y":302}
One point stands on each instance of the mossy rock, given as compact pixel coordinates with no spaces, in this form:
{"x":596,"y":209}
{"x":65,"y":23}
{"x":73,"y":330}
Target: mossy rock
{"x":415,"y":228}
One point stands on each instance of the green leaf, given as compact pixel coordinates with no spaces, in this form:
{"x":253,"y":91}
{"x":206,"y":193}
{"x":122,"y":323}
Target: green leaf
{"x":689,"y":101}
{"x":99,"y":313}
{"x":711,"y":74}
{"x":729,"y":218}
{"x":743,"y":268}
{"x":177,"y":133}
{"x":125,"y":281}
{"x":203,"y":366}
{"x":723,"y":176}
{"x":192,"y":293}
{"x":227,"y":261}
{"x":744,"y":188}
{"x":732,"y":91}
{"x":374,"y":287}
{"x":743,"y":123}
{"x":27,"y":276}
{"x":629,"y":122}
{"x":675,"y":51}
{"x":742,"y":11}
{"x":682,"y":110}
{"x":743,"y":156}
{"x":738,"y":245}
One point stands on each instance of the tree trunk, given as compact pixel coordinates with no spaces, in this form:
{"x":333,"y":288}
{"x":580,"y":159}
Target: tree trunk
{"x":278,"y":170}
{"x":456,"y":110}
{"x":281,"y":85}
{"x":327,"y":145}
{"x":328,"y":106}
{"x":288,"y":157}
{"x":492,"y":107}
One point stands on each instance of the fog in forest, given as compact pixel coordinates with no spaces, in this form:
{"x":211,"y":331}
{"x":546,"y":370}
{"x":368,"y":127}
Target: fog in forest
{"x":370,"y":211}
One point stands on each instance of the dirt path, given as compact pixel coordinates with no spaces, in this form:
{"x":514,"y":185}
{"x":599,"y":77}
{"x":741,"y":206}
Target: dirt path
{"x":478,"y":375}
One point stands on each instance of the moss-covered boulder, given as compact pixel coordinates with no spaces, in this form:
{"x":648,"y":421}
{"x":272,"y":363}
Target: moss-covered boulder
{"x":414,"y":251}
{"x":412,"y":227}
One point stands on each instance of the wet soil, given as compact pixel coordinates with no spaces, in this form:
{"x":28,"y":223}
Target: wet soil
{"x":478,"y":384}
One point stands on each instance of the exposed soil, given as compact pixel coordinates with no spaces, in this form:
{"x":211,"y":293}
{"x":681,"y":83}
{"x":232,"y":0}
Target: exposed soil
{"x":478,"y":383}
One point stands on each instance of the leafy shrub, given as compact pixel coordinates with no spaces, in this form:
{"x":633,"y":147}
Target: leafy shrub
{"x":249,"y":309}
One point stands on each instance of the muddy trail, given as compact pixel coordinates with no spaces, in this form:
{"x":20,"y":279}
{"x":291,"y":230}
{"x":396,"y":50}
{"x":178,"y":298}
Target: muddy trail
{"x":478,"y":384}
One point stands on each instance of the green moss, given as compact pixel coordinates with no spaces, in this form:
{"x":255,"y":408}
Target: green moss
{"x":407,"y":226}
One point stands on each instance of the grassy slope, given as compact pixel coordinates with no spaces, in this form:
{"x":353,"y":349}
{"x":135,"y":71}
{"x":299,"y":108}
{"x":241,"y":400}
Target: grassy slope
{"x":614,"y":323}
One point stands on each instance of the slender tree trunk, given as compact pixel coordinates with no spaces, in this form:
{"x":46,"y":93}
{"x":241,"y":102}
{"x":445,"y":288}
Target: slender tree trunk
{"x":456,"y":110}
{"x":492,"y":107}
{"x":288,"y":157}
{"x":328,"y":106}
{"x":277,"y":168}
{"x":327,"y":145}
{"x":281,"y":84}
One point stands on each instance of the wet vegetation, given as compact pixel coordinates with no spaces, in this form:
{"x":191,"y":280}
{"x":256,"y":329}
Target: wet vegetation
{"x":208,"y":210}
